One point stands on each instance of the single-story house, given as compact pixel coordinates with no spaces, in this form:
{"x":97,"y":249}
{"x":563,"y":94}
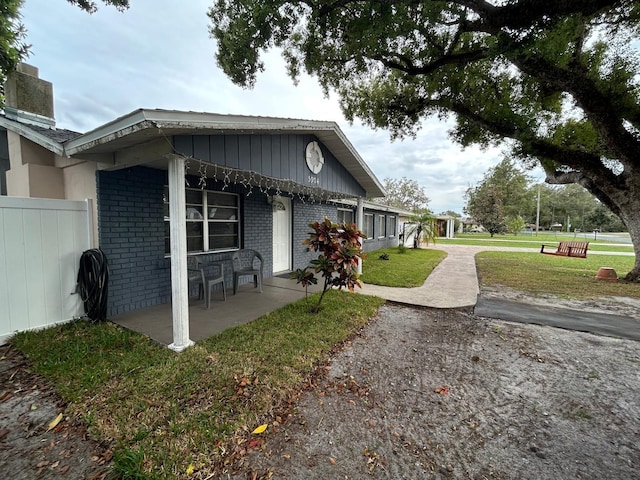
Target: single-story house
{"x":381,"y":224}
{"x":170,"y":184}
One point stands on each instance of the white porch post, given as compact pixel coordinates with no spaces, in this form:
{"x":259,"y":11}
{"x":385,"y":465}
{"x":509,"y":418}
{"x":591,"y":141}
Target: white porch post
{"x":450,"y":226}
{"x":178,"y":229}
{"x":359,"y":223}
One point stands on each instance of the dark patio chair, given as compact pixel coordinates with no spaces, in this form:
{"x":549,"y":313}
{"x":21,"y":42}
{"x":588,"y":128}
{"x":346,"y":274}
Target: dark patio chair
{"x":247,"y":263}
{"x":214,"y":276}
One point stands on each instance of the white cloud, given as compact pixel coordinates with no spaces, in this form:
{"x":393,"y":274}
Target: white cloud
{"x":158,"y":54}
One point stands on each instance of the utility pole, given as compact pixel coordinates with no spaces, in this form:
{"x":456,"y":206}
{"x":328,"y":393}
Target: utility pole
{"x":538,"y":213}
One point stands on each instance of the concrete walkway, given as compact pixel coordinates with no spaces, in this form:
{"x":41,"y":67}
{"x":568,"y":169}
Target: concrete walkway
{"x":452,"y":284}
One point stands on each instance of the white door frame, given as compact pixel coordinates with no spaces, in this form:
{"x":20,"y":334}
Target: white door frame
{"x":281,"y":234}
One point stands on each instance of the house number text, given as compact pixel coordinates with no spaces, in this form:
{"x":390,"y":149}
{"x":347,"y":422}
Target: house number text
{"x":313,"y":179}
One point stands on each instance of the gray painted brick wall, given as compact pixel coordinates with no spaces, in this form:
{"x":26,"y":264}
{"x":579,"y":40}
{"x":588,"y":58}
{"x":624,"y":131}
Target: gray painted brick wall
{"x":376,"y":243}
{"x":131,"y":232}
{"x":303,"y":215}
{"x":257,"y":224}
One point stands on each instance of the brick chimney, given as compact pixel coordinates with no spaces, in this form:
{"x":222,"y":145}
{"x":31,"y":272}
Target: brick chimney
{"x":29,"y":99}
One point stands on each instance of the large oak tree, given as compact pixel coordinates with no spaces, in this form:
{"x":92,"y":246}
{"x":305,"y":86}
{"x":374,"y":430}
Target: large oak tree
{"x":557,"y":80}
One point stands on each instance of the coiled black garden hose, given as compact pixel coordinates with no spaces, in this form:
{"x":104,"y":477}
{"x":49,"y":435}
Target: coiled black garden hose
{"x":93,"y":283}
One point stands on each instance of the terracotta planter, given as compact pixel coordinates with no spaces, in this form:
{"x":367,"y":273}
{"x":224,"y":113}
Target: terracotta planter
{"x":607,"y":273}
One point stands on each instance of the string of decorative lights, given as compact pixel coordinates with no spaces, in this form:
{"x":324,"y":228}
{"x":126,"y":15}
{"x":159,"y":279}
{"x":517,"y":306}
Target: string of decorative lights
{"x":252,"y":181}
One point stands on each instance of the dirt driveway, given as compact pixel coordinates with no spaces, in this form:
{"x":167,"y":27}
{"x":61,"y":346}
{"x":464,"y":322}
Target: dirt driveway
{"x":441,"y":394}
{"x":419,"y":393}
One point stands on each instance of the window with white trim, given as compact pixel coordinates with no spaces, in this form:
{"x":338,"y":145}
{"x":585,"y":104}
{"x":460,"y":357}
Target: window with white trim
{"x":392,"y":226}
{"x":382,"y":222}
{"x":213,"y":221}
{"x":345,"y":215}
{"x":368,"y":225}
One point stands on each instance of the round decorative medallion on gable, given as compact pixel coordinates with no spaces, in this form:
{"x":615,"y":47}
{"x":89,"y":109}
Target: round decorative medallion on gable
{"x":314,"y":157}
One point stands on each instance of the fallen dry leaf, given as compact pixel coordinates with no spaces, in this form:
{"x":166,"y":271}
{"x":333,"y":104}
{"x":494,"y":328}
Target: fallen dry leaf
{"x":254,"y":442}
{"x":260,"y":429}
{"x":55,"y":422}
{"x":5,"y":396}
{"x":442,"y":390}
{"x":65,"y":469}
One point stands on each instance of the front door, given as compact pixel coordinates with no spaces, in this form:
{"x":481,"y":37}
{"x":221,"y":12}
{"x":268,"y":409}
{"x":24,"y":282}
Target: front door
{"x":281,"y":234}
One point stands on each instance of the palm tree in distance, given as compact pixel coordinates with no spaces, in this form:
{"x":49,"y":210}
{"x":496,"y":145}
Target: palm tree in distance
{"x":422,"y":225}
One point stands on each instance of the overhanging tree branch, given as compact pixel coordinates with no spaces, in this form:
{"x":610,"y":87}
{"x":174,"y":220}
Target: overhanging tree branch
{"x":588,"y":163}
{"x":527,"y":13}
{"x":599,"y":108}
{"x":405,"y":65}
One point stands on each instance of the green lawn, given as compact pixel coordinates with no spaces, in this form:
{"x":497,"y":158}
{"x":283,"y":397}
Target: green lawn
{"x":408,"y":269}
{"x":563,"y":276}
{"x":165,"y":412}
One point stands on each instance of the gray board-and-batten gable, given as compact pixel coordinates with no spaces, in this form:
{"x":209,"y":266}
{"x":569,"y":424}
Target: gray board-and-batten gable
{"x":279,"y":156}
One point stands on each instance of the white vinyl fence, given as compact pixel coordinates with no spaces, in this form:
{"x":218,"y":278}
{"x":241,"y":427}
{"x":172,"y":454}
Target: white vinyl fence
{"x":41,"y":241}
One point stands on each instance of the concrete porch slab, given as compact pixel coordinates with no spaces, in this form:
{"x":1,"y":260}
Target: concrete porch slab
{"x":247,"y":305}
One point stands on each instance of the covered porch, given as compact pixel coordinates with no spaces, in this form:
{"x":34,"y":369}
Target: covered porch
{"x":175,"y":185}
{"x":248,"y":304}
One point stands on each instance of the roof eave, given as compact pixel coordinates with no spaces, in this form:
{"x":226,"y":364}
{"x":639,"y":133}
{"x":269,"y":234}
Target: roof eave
{"x":328,"y":132}
{"x":36,"y":137}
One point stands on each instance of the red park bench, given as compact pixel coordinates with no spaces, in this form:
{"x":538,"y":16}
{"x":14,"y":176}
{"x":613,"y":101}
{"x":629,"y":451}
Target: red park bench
{"x":569,"y":249}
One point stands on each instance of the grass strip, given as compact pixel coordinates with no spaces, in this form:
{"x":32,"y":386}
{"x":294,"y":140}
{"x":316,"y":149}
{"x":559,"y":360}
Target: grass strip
{"x":403,"y":268}
{"x":504,"y":243}
{"x":167,"y":413}
{"x":533,"y":241}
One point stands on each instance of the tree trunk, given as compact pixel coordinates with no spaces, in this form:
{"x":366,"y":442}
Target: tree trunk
{"x":620,"y":193}
{"x":624,"y":202}
{"x":633,"y":225}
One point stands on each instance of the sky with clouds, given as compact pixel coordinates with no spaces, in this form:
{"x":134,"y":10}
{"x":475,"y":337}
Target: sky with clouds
{"x":158,"y":54}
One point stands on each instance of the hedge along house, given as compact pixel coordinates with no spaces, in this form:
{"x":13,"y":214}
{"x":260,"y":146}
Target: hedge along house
{"x":170,"y":184}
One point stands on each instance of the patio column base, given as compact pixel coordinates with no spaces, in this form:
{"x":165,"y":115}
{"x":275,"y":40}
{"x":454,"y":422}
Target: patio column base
{"x":180,"y":348}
